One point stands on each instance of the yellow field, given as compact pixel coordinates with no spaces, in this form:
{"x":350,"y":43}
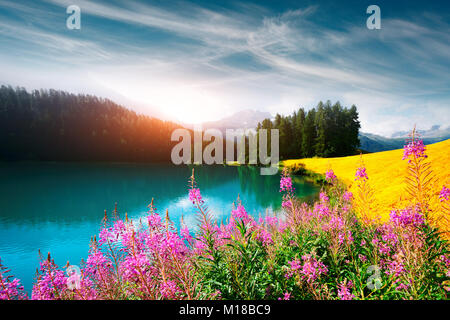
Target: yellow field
{"x":386,"y":171}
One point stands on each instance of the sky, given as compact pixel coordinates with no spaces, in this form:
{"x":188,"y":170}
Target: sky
{"x":195,"y":61}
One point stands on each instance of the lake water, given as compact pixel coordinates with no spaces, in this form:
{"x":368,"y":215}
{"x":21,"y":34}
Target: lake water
{"x":58,"y":207}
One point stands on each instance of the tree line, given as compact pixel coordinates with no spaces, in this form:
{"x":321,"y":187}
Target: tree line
{"x":53,"y":125}
{"x":324,"y":131}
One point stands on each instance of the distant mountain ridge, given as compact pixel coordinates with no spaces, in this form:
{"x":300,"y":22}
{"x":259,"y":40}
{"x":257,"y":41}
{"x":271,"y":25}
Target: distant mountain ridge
{"x":435,"y":131}
{"x":245,"y":119}
{"x":376,"y":143}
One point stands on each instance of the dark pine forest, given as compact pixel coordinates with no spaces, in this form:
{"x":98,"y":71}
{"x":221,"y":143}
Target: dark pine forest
{"x":50,"y":125}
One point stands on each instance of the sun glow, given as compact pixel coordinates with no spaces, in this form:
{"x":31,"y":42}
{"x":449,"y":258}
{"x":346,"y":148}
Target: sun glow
{"x":174,"y":99}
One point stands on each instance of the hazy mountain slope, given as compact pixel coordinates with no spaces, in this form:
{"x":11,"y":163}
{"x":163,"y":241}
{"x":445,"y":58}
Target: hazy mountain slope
{"x":375,"y":143}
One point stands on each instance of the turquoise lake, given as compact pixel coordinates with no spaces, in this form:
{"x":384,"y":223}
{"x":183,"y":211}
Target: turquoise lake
{"x":58,"y":207}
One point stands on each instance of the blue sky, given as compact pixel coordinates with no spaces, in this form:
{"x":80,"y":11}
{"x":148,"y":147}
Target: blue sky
{"x":196,"y":61}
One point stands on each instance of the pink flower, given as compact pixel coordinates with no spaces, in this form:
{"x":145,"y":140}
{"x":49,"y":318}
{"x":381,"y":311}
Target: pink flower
{"x":330,"y":176}
{"x":361,"y":174}
{"x":323,"y":197}
{"x":286,"y":204}
{"x":271,"y":221}
{"x":414,"y":148}
{"x":169,"y":289}
{"x":184,"y":232}
{"x":10,"y":289}
{"x":286,"y":184}
{"x":348,"y":196}
{"x":444,"y":194}
{"x":407,"y":217}
{"x":264,"y":236}
{"x":362,"y":257}
{"x":195,"y":196}
{"x":287,"y":296}
{"x":310,"y":270}
{"x":344,"y":292}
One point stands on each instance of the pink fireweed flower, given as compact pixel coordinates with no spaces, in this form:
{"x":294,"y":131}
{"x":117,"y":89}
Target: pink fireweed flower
{"x":286,"y":204}
{"x":10,"y":289}
{"x":330,"y":176}
{"x":271,"y":221}
{"x":154,"y":220}
{"x":348,"y":196}
{"x":344,"y":292}
{"x":402,"y":286}
{"x":309,"y":271}
{"x":185,"y":234}
{"x":335,"y":223}
{"x":51,"y":283}
{"x":195,"y":195}
{"x":347,"y":238}
{"x":361,"y":174}
{"x":444,"y":194}
{"x":286,"y":296}
{"x":395,"y":268}
{"x":240,"y":213}
{"x":321,"y":211}
{"x":264,"y":237}
{"x":414,"y":148}
{"x":362,"y":257}
{"x":286,"y":184}
{"x":169,"y":289}
{"x":407,"y":217}
{"x":323,"y":197}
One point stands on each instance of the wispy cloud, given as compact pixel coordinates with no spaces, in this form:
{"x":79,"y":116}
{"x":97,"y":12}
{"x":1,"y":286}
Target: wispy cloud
{"x":207,"y":62}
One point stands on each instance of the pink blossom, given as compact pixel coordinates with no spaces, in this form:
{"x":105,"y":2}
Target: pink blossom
{"x":414,"y":148}
{"x":310,"y":270}
{"x":348,"y":196}
{"x":286,"y":296}
{"x":195,"y":195}
{"x":323,"y":197}
{"x":444,"y":194}
{"x":344,"y":292}
{"x":330,"y":176}
{"x":286,"y":204}
{"x":407,"y":217}
{"x":361,"y":174}
{"x":286,"y":184}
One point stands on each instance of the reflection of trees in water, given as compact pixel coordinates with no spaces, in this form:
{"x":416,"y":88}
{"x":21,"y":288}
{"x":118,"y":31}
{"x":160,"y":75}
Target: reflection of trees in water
{"x":266,"y":188}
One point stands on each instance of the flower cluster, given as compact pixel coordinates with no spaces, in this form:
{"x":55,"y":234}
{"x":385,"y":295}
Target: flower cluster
{"x":344,"y":290}
{"x":408,"y":216}
{"x":286,"y":184}
{"x":310,"y":270}
{"x":414,"y":148}
{"x":10,"y":289}
{"x":444,"y":194}
{"x":361,"y":174}
{"x":195,"y":195}
{"x":330,"y":176}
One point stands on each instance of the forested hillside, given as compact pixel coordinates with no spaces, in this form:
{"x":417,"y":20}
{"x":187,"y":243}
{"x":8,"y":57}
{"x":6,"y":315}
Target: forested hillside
{"x":325,"y":131}
{"x":59,"y":126}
